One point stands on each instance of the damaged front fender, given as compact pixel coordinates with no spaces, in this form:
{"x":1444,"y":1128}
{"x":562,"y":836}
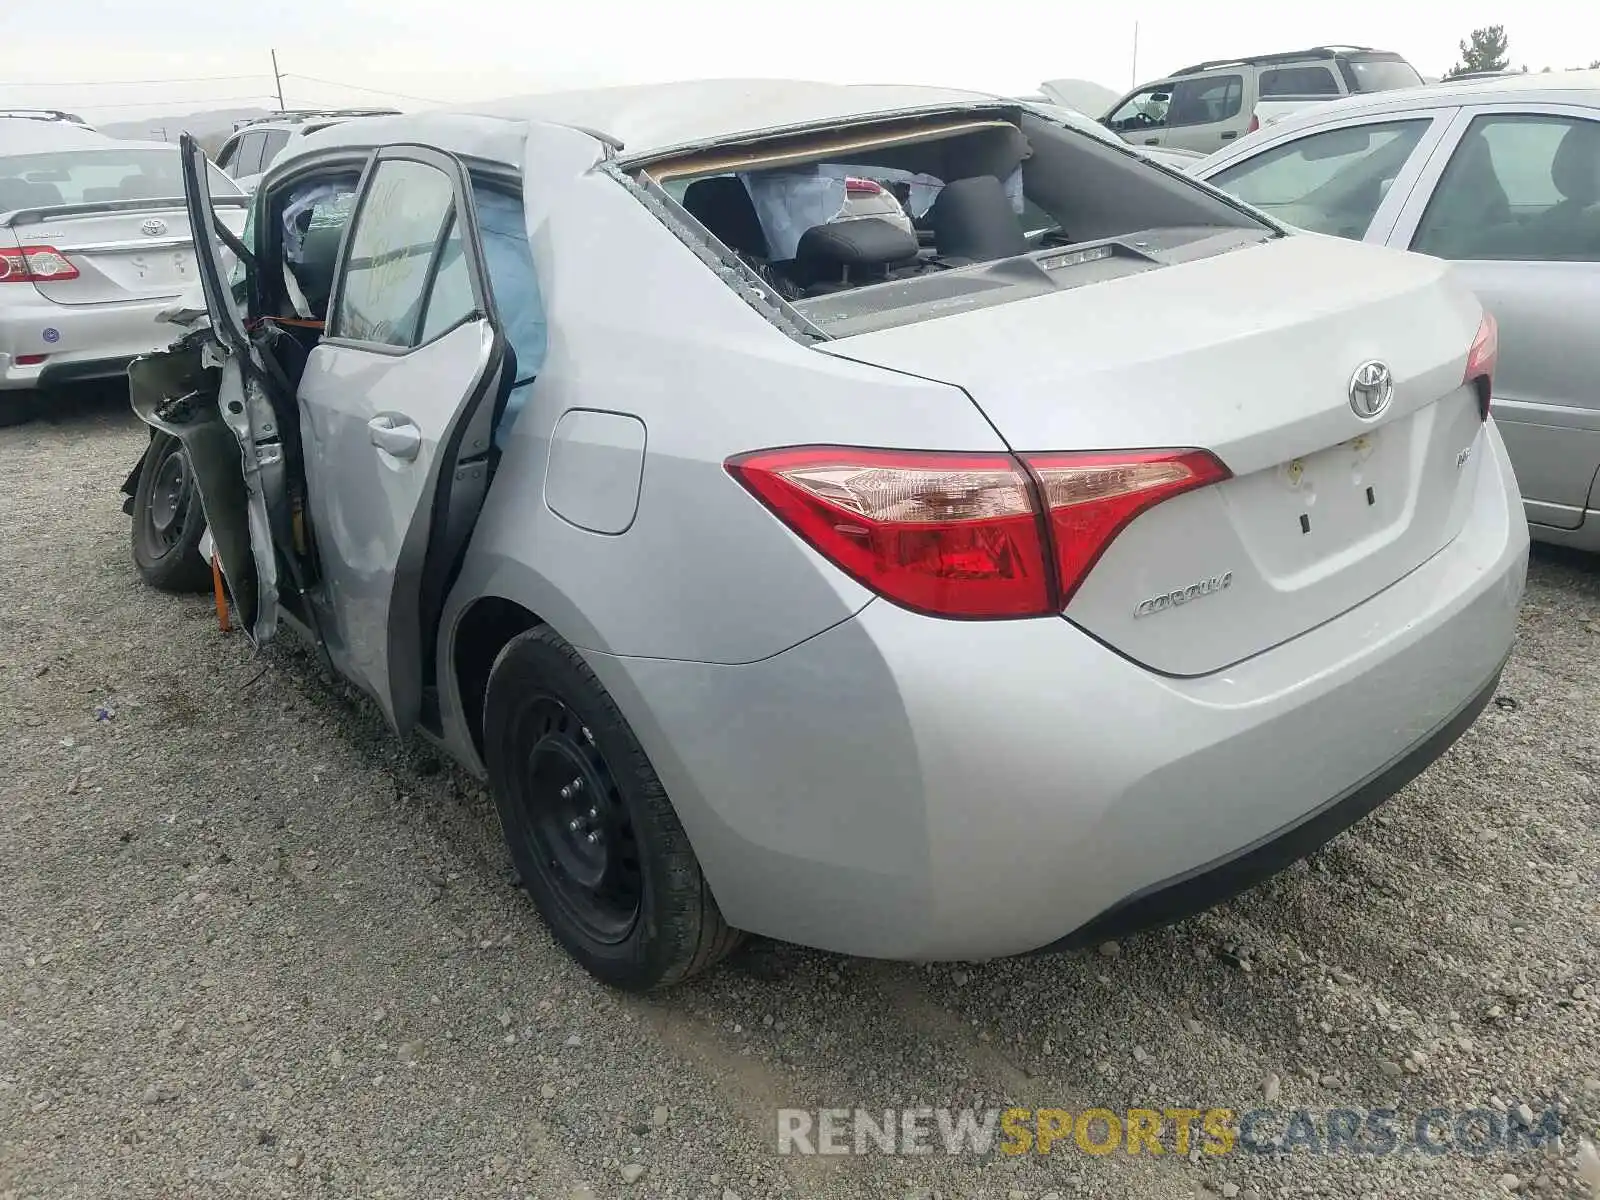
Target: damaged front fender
{"x":186,"y":391}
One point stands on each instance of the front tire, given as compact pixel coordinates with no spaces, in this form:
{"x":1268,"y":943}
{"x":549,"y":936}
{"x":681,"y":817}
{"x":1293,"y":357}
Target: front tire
{"x":168,"y":520}
{"x":589,"y":825}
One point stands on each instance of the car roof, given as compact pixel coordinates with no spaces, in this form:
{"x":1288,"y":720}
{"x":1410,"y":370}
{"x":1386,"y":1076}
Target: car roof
{"x":39,"y":137}
{"x":645,"y":120}
{"x":1553,"y":87}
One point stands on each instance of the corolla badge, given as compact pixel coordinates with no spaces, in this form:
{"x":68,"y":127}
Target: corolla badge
{"x":1168,"y":600}
{"x":153,"y":227}
{"x":1371,"y":389}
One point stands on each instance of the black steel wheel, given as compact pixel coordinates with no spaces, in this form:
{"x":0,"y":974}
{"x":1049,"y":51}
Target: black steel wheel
{"x":589,"y":826}
{"x":168,"y":520}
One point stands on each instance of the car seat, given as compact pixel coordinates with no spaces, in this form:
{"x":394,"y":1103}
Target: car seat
{"x":1467,"y":203}
{"x":973,"y":221}
{"x":1569,"y":228}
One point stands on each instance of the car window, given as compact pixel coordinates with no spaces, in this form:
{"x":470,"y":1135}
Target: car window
{"x":1145,"y":109}
{"x":399,"y":225}
{"x":1518,"y":187}
{"x":313,"y":214}
{"x":1328,"y":182}
{"x":247,"y":157}
{"x":1298,"y":81}
{"x":1206,"y":101}
{"x":450,"y":300}
{"x":225,"y":156}
{"x":100,"y":175}
{"x":272,"y":145}
{"x":1378,"y":73}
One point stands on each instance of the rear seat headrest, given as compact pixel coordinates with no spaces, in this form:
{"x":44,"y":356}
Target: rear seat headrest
{"x":973,"y":219}
{"x":723,"y":205}
{"x":855,"y":243}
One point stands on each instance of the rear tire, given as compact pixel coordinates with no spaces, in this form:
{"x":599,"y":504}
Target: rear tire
{"x":168,"y":521}
{"x":18,"y":407}
{"x":589,"y":825}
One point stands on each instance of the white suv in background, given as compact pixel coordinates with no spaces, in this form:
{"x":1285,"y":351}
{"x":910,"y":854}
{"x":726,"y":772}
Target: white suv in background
{"x":255,"y":143}
{"x":1208,"y":105}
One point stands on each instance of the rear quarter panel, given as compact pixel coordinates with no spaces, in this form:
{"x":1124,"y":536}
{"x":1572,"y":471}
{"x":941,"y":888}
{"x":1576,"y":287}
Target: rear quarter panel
{"x":641,"y":328}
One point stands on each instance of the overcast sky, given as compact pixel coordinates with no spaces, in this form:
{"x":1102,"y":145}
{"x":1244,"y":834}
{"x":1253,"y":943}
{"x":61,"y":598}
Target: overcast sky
{"x":92,"y":56}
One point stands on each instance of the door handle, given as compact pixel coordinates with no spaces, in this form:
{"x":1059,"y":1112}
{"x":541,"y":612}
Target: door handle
{"x":397,"y":436}
{"x":1228,"y":137}
{"x":1152,"y":141}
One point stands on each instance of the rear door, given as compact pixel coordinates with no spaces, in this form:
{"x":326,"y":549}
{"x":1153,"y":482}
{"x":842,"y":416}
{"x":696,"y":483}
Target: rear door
{"x":1510,"y":200}
{"x":397,"y":406}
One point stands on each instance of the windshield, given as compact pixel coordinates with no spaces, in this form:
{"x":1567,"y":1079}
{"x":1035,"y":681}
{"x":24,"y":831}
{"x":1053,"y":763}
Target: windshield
{"x":101,"y":175}
{"x":1375,"y":74}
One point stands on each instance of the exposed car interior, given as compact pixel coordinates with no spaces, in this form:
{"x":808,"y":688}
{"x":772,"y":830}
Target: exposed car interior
{"x":978,"y":191}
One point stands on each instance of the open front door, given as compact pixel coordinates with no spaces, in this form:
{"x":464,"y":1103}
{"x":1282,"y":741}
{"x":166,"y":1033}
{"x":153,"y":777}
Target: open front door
{"x":397,"y":406}
{"x":207,"y":392}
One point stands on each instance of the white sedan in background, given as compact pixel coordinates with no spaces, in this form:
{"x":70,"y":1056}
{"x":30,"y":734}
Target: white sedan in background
{"x":1500,"y":175}
{"x":94,"y":243}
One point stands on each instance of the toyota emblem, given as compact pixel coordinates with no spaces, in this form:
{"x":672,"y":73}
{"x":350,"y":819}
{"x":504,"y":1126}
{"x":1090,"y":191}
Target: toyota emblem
{"x":1371,"y":389}
{"x":154,"y":227}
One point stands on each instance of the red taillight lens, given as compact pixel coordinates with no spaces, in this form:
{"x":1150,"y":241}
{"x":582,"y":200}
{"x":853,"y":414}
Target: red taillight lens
{"x":961,"y":535}
{"x":862,"y":187}
{"x":1481,"y":361}
{"x":35,"y":264}
{"x":1255,"y":124}
{"x":957,"y":535}
{"x":1092,"y":497}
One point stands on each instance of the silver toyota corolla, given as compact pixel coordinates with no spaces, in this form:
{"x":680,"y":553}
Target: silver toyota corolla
{"x":1025,"y":571}
{"x":94,"y":243}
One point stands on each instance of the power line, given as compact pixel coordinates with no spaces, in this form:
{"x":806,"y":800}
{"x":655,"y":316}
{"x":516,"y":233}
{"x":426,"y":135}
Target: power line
{"x":132,"y":82}
{"x":359,"y":88}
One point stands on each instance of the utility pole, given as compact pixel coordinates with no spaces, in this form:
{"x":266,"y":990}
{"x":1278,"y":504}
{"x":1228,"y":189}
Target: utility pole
{"x":277,"y":77}
{"x":1134,"y":82}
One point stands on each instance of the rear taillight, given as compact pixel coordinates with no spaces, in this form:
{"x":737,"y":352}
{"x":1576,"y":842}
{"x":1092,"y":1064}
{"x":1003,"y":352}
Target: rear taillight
{"x":1255,"y":124}
{"x":966,"y":535}
{"x":862,"y":187}
{"x":1092,"y":497}
{"x":35,"y":264}
{"x":1481,"y":360}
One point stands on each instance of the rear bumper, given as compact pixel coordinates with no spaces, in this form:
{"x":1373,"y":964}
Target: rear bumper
{"x":78,"y":342}
{"x":904,"y":787}
{"x":1213,"y":883}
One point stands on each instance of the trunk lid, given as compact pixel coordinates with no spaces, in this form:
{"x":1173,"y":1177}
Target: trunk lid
{"x":135,"y":254}
{"x":1250,"y":355}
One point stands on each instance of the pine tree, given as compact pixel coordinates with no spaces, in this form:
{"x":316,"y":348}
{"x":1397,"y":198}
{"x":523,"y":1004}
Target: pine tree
{"x":1485,"y":50}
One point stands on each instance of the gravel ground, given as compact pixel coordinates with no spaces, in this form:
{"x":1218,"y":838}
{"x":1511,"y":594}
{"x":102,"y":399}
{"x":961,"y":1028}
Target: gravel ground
{"x":253,"y":946}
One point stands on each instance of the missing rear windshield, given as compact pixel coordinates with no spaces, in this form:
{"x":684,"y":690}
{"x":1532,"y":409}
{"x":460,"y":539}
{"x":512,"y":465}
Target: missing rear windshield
{"x":911,"y":219}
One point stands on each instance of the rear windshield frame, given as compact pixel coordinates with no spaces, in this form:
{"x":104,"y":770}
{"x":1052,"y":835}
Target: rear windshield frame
{"x":1160,"y":189}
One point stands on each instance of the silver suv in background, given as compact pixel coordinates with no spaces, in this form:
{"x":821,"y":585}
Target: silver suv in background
{"x":256,"y":142}
{"x":1208,"y":105}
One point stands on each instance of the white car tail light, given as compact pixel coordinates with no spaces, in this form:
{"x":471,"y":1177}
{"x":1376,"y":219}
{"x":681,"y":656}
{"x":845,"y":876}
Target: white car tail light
{"x":966,"y":535}
{"x":35,"y":264}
